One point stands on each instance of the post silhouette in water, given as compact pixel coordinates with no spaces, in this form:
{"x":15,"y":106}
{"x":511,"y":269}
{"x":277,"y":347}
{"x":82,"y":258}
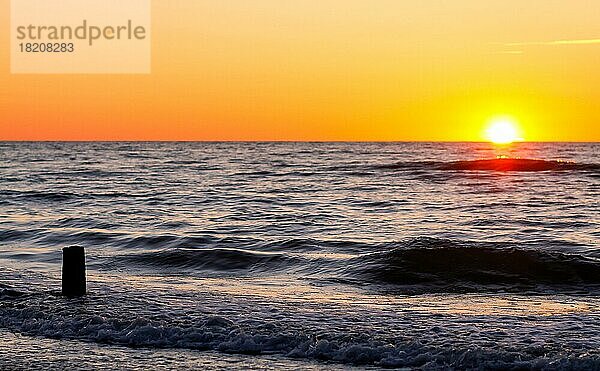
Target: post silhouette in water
{"x":73,"y":271}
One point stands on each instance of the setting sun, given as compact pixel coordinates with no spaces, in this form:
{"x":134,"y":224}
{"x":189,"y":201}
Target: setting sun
{"x":502,"y":131}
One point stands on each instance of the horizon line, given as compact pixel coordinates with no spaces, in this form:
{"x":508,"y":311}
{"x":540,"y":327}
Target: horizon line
{"x":278,"y":141}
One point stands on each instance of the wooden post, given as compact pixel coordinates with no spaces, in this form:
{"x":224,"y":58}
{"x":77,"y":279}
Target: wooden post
{"x":73,"y":271}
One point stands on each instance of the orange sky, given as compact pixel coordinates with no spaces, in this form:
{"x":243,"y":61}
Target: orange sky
{"x":330,"y":70}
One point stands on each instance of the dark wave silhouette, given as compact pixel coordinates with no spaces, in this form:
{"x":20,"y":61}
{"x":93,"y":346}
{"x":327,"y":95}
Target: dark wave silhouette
{"x":215,"y":259}
{"x":440,"y":265}
{"x":498,"y":164}
{"x":512,"y":164}
{"x":418,"y":265}
{"x":34,"y":195}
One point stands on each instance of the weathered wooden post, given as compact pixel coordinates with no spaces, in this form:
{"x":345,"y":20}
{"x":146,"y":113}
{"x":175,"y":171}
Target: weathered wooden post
{"x":73,"y":271}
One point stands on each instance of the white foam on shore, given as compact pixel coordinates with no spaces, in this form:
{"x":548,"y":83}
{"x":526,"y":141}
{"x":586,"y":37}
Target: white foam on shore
{"x":218,"y":333}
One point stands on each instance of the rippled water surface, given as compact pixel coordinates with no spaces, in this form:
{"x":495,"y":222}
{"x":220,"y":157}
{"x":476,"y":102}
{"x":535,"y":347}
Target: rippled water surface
{"x":306,"y":255}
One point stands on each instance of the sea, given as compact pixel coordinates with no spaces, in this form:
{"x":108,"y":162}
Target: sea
{"x":301,"y":256}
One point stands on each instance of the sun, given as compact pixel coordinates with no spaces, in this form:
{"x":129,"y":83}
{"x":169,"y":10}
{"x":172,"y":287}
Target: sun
{"x":502,"y":131}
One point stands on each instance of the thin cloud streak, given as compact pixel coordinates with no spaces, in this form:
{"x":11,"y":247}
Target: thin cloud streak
{"x":556,"y":42}
{"x":508,"y":52}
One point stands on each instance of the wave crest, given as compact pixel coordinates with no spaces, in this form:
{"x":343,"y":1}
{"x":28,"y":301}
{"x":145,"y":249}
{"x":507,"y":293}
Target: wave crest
{"x":213,"y":259}
{"x":498,"y":164}
{"x":414,"y":266}
{"x":441,"y":265}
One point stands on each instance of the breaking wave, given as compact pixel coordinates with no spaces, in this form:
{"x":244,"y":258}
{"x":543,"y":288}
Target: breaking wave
{"x":103,"y":319}
{"x":419,"y":265}
{"x":433,"y":265}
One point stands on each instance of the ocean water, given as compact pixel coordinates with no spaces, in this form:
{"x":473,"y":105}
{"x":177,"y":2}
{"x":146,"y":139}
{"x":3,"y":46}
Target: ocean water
{"x":302,"y":255}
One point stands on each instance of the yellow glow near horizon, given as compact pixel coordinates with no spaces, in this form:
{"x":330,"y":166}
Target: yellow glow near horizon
{"x":503,"y":130}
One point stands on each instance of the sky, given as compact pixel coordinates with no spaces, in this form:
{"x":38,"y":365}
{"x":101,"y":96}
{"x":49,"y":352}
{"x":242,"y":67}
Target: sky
{"x":343,"y":70}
